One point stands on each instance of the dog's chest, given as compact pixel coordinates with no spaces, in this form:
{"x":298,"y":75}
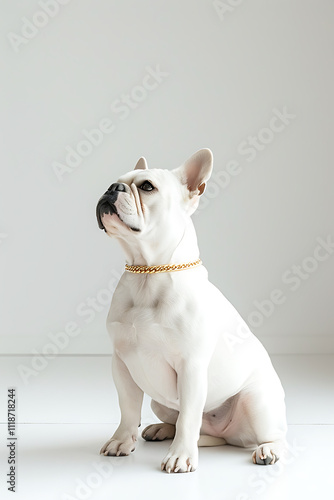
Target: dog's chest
{"x":150,"y":354}
{"x":153,"y":314}
{"x":154,"y":330}
{"x":150,"y":331}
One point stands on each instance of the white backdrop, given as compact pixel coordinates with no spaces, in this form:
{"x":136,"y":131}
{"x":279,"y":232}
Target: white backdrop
{"x":253,"y":81}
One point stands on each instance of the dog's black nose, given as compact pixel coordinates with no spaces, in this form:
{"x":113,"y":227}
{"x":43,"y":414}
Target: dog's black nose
{"x":117,"y":186}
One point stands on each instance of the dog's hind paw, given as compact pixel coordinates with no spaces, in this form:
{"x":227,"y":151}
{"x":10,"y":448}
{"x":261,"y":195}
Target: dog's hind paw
{"x":267,"y":454}
{"x":158,"y":432}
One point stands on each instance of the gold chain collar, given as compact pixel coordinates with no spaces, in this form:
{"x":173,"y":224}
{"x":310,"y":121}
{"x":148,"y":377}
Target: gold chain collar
{"x":168,"y":268}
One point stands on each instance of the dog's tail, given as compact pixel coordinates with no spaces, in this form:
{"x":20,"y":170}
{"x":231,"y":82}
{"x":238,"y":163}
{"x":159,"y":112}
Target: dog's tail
{"x":210,"y":441}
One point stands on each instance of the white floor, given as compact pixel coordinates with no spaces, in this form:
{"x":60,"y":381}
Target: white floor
{"x":63,"y":415}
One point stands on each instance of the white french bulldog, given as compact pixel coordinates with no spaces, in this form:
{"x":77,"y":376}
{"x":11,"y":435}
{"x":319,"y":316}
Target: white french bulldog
{"x":175,"y":336}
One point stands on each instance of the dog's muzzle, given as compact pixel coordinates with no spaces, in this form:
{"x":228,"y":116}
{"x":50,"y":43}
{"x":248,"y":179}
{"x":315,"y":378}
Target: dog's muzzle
{"x":106,"y":204}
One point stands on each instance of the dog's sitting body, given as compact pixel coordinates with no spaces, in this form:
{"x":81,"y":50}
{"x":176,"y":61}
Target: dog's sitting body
{"x":175,"y":336}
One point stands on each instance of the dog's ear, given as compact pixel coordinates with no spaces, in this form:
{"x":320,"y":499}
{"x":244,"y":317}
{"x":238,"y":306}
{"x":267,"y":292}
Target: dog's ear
{"x":196,"y":171}
{"x":141,"y":164}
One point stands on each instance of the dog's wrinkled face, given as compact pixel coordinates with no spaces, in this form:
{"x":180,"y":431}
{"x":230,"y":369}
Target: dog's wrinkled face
{"x":145,"y":200}
{"x":135,"y":201}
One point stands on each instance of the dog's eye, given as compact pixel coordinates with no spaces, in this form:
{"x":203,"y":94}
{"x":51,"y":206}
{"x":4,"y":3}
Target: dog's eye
{"x":146,"y":186}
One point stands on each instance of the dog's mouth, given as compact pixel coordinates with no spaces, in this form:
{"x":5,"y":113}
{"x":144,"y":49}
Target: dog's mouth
{"x":105,"y":206}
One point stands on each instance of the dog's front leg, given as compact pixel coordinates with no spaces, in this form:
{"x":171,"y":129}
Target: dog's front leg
{"x":182,"y":455}
{"x":130,"y":398}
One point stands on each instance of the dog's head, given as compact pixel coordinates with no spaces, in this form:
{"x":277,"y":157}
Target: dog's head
{"x":154,"y":201}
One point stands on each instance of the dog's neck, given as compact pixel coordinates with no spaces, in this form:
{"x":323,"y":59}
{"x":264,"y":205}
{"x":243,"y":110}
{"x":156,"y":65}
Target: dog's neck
{"x":156,"y":251}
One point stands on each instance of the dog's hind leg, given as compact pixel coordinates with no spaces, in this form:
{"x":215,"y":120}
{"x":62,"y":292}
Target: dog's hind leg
{"x":260,"y":421}
{"x":164,"y":430}
{"x":266,"y":412}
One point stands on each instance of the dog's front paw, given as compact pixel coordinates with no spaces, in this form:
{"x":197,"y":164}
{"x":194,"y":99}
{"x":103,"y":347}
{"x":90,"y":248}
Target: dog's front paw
{"x":180,"y":459}
{"x":119,"y":447}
